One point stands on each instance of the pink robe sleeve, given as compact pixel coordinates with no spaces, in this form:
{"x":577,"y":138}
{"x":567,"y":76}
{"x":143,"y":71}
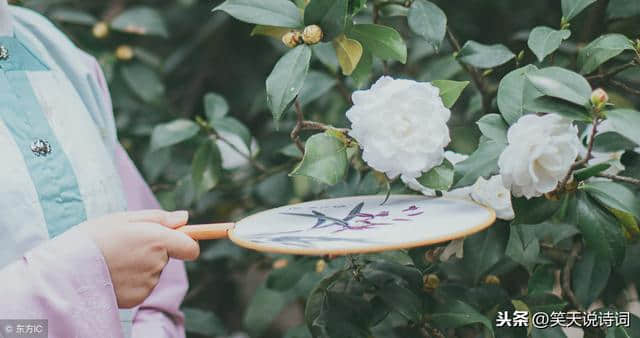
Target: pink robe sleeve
{"x":159,"y":315}
{"x":65,"y":281}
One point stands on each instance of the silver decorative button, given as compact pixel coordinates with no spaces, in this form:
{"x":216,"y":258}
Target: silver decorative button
{"x":4,"y":53}
{"x":41,"y":147}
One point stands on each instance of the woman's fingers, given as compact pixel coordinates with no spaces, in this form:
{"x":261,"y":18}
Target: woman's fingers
{"x":169,"y":219}
{"x":180,"y":246}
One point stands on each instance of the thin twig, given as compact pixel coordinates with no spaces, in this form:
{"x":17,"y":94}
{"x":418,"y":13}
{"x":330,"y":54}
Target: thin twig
{"x":476,"y":77}
{"x":594,"y":130}
{"x":625,"y":87}
{"x":566,"y":276}
{"x":624,"y":179}
{"x":295,"y":133}
{"x":612,"y":72}
{"x":302,"y":124}
{"x":115,"y":8}
{"x":248,"y":156}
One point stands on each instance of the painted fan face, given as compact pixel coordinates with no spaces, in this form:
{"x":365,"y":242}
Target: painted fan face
{"x":360,"y":224}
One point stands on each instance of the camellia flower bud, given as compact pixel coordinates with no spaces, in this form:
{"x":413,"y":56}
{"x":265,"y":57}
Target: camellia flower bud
{"x":124,"y":53}
{"x":100,"y":30}
{"x":312,"y":34}
{"x":599,"y":98}
{"x":492,"y":280}
{"x":320,"y":265}
{"x":280,"y":263}
{"x":292,"y":39}
{"x":431,"y":281}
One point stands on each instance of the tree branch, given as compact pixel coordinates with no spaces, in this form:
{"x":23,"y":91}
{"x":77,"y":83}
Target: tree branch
{"x":594,"y":130}
{"x":611,"y":73}
{"x":295,"y":133}
{"x":625,"y":87}
{"x":618,"y":178}
{"x":476,"y":77}
{"x":566,"y":276}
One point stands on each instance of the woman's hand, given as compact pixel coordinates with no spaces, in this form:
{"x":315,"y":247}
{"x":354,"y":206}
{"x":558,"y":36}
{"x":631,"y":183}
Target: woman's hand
{"x":137,"y":246}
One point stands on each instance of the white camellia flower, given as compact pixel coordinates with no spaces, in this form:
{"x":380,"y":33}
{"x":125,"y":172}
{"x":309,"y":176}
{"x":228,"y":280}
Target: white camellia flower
{"x":231,"y":159}
{"x":540,"y":153}
{"x":493,"y":194}
{"x":401,"y":126}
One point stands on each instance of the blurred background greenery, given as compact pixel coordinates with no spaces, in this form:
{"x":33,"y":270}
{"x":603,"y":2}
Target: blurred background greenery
{"x":161,"y":57}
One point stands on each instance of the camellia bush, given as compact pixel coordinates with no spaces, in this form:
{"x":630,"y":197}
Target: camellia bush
{"x":530,"y":108}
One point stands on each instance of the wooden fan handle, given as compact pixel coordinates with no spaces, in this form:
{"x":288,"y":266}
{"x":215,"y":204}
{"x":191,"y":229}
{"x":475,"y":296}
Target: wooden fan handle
{"x":207,"y":231}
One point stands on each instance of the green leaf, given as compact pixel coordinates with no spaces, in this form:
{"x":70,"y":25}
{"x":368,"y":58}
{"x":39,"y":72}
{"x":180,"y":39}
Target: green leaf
{"x":631,"y":331}
{"x":585,"y":173}
{"x":548,"y":332}
{"x":511,"y":94}
{"x":484,"y":56}
{"x":330,"y":15}
{"x":72,"y":15}
{"x":602,"y":50}
{"x":533,"y":211}
{"x":554,"y":233}
{"x":429,"y":21}
{"x":546,"y":104}
{"x":326,"y":54}
{"x":315,"y":86}
{"x":562,"y":84}
{"x":590,"y":276}
{"x":264,"y":307}
{"x":493,"y":127}
{"x":298,"y":332}
{"x":203,"y":322}
{"x":272,"y":31}
{"x":600,"y":230}
{"x":176,"y":131}
{"x":619,"y":9}
{"x":483,"y":251}
{"x":450,"y":90}
{"x":614,"y":195}
{"x":215,"y":106}
{"x":544,"y":302}
{"x":141,"y":20}
{"x":626,"y":122}
{"x":233,"y":126}
{"x":356,"y":6}
{"x":207,"y":167}
{"x":325,"y":159}
{"x":286,"y":79}
{"x":384,"y":42}
{"x":333,"y":314}
{"x":143,"y":81}
{"x":280,"y":13}
{"x":397,"y":285}
{"x":611,"y":141}
{"x":456,"y":313}
{"x":438,"y":178}
{"x":362,"y":73}
{"x":483,"y":162}
{"x":542,"y":280}
{"x":544,"y":40}
{"x":523,"y":246}
{"x":571,"y":8}
{"x":348,"y":52}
